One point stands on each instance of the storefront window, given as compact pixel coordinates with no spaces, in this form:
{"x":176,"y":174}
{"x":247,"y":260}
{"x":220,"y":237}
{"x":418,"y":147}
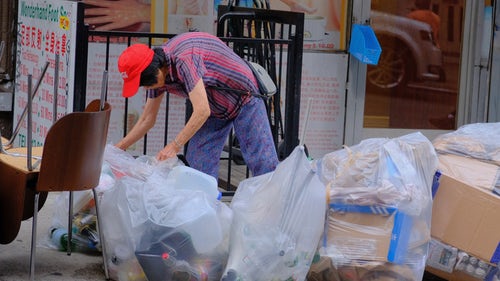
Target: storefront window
{"x":415,"y":83}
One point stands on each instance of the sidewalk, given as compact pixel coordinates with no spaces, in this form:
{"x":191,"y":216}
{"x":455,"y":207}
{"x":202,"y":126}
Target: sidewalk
{"x":51,"y":265}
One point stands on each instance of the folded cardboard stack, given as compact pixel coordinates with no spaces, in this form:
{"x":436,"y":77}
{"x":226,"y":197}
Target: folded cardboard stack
{"x":466,"y":207}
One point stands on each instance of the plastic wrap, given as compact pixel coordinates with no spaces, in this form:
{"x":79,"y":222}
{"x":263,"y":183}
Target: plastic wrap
{"x":380,"y":204}
{"x":157,"y":229}
{"x":278,"y":221}
{"x":471,"y":171}
{"x":478,"y":141}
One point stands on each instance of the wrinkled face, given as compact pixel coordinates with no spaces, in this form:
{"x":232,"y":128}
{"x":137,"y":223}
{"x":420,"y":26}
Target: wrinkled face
{"x":160,"y":78}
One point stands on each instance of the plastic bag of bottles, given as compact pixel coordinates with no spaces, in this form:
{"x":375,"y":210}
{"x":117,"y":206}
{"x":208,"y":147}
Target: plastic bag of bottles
{"x":85,"y":237}
{"x":163,"y":221}
{"x":277,"y":224}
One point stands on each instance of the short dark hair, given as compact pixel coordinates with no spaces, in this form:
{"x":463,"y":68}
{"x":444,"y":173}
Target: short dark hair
{"x":149,"y":76}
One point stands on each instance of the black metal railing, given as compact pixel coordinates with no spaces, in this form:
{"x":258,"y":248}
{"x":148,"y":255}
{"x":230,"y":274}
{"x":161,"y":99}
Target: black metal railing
{"x":274,"y":39}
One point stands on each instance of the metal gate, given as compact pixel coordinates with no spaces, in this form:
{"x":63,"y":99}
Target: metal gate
{"x":274,"y":39}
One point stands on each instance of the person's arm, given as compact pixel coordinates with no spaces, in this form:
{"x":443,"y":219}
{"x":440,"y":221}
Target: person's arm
{"x":144,"y":124}
{"x":201,"y":112}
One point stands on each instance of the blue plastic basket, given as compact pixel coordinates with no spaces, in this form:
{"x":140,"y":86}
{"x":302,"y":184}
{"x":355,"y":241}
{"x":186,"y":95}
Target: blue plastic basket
{"x":364,"y":44}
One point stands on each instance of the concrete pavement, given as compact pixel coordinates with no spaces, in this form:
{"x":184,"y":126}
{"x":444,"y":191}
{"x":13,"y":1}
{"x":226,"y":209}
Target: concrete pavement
{"x":51,"y":264}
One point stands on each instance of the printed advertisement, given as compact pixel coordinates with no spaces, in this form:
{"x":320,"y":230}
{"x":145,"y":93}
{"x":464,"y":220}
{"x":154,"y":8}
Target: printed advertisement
{"x":322,"y":110}
{"x":324,"y":24}
{"x":46,"y":32}
{"x":324,"y":73}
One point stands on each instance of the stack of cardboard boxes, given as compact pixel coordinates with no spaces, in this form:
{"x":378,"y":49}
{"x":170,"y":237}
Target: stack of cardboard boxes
{"x":380,"y":203}
{"x":466,"y":217}
{"x":464,"y":223}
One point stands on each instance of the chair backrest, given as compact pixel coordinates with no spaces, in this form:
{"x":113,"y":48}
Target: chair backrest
{"x":73,"y":150}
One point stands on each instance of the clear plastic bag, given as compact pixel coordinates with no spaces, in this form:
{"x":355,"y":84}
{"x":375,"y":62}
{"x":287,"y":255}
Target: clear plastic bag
{"x":380,"y":204}
{"x":478,"y":141}
{"x":277,"y":224}
{"x":155,"y":228}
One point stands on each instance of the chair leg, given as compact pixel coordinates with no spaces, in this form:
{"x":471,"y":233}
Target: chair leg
{"x":70,"y":224}
{"x":101,"y":236}
{"x":33,"y":238}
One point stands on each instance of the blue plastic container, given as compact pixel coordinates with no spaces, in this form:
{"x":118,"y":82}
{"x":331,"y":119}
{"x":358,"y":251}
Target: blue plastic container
{"x":364,"y":44}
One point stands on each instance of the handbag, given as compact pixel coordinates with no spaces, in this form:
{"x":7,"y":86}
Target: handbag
{"x":267,"y":87}
{"x":266,"y":84}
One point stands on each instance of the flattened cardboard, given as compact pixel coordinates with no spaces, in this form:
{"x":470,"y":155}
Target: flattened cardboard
{"x":470,"y":171}
{"x":369,"y":232}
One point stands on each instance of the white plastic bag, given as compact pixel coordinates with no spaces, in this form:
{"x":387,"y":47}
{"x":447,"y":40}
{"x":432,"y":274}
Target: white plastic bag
{"x":277,"y":224}
{"x":154,"y":226}
{"x":478,"y":141}
{"x":380,"y":204}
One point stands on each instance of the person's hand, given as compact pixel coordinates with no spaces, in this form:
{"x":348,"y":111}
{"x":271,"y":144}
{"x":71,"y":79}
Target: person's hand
{"x":113,"y":15}
{"x":169,"y":151}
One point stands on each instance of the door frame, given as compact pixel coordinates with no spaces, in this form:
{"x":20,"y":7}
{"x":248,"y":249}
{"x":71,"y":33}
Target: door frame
{"x":471,"y":105}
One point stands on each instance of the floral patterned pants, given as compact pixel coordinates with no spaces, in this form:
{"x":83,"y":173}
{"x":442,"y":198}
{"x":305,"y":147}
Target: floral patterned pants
{"x":251,"y":128}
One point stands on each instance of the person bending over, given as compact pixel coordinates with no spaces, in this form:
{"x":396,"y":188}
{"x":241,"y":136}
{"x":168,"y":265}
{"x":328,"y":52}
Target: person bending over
{"x":191,"y":65}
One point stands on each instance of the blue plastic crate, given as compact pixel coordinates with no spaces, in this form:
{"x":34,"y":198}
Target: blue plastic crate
{"x":364,"y":44}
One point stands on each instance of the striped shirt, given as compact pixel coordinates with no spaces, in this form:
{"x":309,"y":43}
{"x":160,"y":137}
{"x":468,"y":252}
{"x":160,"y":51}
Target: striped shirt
{"x":193,"y":56}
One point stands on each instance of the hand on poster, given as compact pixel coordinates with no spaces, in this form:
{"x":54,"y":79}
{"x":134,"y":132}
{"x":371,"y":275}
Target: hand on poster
{"x":113,"y":15}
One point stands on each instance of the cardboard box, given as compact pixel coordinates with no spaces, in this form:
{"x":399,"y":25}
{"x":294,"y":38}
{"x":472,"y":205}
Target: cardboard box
{"x":368,"y":233}
{"x":467,"y":217}
{"x":470,"y":170}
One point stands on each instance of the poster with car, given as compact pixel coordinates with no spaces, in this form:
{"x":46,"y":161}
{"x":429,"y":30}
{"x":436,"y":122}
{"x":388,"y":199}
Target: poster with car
{"x":45,"y":42}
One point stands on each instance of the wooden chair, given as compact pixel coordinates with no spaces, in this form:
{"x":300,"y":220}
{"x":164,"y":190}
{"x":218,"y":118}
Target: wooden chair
{"x":71,"y":161}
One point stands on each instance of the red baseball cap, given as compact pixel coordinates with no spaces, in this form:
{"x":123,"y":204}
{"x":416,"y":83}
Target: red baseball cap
{"x":131,"y":63}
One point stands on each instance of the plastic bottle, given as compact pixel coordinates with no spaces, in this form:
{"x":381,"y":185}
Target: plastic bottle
{"x":205,"y":229}
{"x":481,"y":270}
{"x":182,"y":270}
{"x":59,"y":237}
{"x":496,"y":277}
{"x":185,"y":177}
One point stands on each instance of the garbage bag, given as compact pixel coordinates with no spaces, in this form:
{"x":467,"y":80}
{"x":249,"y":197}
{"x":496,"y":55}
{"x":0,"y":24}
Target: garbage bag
{"x":380,"y":205}
{"x":478,"y":141}
{"x":155,"y":228}
{"x":278,"y":219}
{"x":84,"y":226}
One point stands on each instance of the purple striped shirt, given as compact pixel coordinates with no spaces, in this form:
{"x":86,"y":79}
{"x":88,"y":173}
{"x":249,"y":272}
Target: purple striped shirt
{"x":193,"y":56}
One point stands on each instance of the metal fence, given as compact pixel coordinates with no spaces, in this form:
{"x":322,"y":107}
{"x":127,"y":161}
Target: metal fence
{"x":274,"y":39}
